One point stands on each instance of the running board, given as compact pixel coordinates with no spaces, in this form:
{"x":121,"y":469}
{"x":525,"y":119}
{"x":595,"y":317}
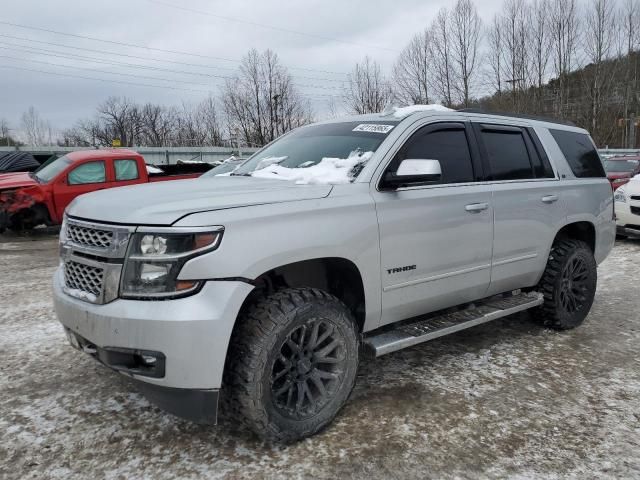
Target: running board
{"x":409,"y":334}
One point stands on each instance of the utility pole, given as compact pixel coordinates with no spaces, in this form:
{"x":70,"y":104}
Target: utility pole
{"x":512,"y":82}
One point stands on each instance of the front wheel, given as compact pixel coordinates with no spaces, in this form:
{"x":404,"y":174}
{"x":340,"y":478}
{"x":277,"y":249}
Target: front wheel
{"x":568,"y":285}
{"x":292,"y":363}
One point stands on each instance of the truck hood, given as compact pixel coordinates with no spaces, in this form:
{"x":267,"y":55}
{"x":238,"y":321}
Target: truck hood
{"x":16,"y":180}
{"x":163,"y":203}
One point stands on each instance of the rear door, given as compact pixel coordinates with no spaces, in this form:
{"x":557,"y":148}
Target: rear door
{"x":83,"y":178}
{"x":435,"y":240}
{"x":125,"y":172}
{"x":527,"y":203}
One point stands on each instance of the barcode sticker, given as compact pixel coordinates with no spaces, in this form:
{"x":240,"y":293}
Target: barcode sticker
{"x":373,"y":128}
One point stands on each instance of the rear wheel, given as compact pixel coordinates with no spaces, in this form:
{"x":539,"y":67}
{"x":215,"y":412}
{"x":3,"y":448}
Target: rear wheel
{"x":292,"y":363}
{"x":568,"y":284}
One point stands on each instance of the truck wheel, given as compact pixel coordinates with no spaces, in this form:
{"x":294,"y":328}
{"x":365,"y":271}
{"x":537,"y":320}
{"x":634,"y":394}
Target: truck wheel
{"x":568,"y":285}
{"x":292,"y":363}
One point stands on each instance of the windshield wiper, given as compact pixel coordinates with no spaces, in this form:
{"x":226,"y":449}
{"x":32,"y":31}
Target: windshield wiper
{"x":239,"y":174}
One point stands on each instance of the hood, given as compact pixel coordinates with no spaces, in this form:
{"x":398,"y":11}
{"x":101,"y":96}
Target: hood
{"x":16,"y":180}
{"x":163,"y":203}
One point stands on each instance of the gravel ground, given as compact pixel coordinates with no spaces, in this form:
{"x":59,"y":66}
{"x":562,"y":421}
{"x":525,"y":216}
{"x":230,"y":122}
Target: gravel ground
{"x":507,"y":399}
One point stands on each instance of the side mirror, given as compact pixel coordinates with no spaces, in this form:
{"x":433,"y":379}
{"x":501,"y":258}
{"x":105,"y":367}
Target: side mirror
{"x":412,"y":172}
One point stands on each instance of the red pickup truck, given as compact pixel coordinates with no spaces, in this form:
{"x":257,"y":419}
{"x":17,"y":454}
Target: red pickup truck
{"x":28,"y":199}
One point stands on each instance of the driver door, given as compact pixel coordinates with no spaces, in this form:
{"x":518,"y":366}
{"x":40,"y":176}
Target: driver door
{"x":435,"y":239}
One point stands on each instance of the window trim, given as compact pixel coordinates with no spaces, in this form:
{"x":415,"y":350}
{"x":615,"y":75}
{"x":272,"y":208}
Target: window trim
{"x":104,"y":164}
{"x":530,"y":145}
{"x":115,"y":170}
{"x":464,"y":125}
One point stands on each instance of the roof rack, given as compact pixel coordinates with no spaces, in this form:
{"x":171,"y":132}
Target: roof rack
{"x":518,"y":115}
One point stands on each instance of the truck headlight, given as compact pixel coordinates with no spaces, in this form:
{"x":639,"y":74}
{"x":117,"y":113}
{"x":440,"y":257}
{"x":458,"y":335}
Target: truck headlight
{"x":155,"y":258}
{"x":619,"y":195}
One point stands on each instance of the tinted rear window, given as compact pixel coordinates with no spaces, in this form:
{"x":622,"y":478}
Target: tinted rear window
{"x":507,"y":154}
{"x":580,"y":153}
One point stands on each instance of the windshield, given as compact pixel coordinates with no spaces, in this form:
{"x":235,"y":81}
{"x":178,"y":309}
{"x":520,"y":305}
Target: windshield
{"x":329,"y":153}
{"x":49,"y":172}
{"x":622,"y":166}
{"x":227,"y":166}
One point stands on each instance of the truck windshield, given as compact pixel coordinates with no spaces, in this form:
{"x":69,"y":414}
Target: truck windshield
{"x":329,"y":153}
{"x":622,"y":166}
{"x":50,"y":171}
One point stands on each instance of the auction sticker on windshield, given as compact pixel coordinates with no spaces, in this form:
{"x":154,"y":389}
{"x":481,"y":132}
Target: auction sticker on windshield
{"x":373,"y":128}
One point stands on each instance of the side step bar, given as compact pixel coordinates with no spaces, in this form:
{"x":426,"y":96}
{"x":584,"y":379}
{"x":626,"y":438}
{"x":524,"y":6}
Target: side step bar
{"x":409,"y":334}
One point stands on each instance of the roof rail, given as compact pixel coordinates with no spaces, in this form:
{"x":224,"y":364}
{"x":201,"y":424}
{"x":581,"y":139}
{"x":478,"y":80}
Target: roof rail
{"x":518,"y":115}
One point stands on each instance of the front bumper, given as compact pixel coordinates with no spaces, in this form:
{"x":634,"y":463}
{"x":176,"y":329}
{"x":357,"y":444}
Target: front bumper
{"x":628,"y":222}
{"x":192,"y":333}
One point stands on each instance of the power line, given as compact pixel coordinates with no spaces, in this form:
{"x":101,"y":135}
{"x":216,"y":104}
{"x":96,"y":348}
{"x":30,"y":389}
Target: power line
{"x":271,"y":27}
{"x":137,"y":57}
{"x":71,"y":56}
{"x":123,"y":82}
{"x":102,"y":79}
{"x":102,"y":71}
{"x":131,"y":45}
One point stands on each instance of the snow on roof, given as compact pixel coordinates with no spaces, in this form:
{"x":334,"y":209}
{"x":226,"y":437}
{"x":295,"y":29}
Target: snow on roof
{"x":328,"y":171}
{"x":401,"y":112}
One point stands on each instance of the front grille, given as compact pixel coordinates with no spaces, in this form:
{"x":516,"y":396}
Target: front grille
{"x":635,"y":197}
{"x":84,"y":280}
{"x":635,"y":210}
{"x":91,"y":237}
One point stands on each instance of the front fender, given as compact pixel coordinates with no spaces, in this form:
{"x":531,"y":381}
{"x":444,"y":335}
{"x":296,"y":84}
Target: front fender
{"x":260,"y":238}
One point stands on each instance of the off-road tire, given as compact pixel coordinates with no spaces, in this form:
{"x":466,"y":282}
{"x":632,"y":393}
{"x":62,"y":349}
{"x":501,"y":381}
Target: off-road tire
{"x":263,"y":340}
{"x":567,"y":299}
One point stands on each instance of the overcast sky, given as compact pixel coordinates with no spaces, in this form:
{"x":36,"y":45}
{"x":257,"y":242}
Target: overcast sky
{"x":337,"y":33}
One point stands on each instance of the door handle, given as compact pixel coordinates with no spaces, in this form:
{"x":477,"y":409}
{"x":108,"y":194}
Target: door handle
{"x":476,"y":207}
{"x":550,"y":198}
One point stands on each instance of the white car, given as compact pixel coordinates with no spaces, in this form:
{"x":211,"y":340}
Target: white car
{"x":627,"y":208}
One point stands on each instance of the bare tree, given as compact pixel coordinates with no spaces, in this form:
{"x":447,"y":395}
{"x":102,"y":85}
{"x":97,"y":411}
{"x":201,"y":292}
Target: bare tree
{"x":563,"y":24}
{"x":540,"y":39}
{"x":413,"y":70}
{"x":630,"y":22}
{"x":515,"y":23}
{"x":494,"y":54}
{"x":37,"y":130}
{"x":158,"y":125}
{"x":367,"y":89}
{"x":121,"y":119}
{"x":5,"y":133}
{"x":261,"y":101}
{"x":442,"y":56}
{"x":599,"y":40}
{"x":466,"y":29}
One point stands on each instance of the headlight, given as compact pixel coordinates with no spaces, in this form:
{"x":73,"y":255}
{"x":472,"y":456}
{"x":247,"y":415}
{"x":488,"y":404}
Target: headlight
{"x":155,"y":258}
{"x":619,"y":195}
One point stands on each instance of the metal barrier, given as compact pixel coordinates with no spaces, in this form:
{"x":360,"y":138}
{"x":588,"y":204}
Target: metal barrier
{"x":153,"y":155}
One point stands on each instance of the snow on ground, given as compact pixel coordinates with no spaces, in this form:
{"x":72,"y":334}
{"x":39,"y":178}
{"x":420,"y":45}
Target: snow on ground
{"x":508,"y":399}
{"x":401,"y":112}
{"x":327,"y":171}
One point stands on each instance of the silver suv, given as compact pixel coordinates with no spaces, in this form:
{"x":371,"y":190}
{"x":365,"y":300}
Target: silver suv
{"x":359,"y":236}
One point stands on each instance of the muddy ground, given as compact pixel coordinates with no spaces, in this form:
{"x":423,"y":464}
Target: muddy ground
{"x":503,"y":400}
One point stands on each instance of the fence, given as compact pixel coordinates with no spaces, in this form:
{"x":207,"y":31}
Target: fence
{"x":152,"y":155}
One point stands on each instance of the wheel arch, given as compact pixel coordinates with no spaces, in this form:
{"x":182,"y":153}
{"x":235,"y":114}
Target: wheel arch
{"x":338,"y":276}
{"x":581,"y":230}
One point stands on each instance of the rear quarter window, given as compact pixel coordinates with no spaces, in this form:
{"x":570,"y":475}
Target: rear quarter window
{"x":580,"y":153}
